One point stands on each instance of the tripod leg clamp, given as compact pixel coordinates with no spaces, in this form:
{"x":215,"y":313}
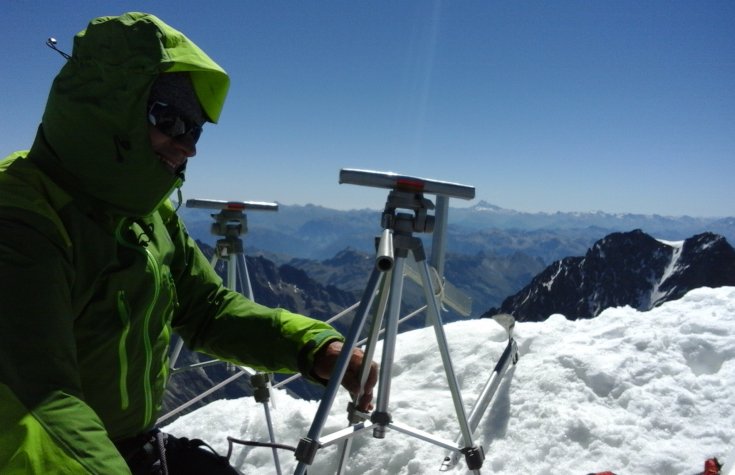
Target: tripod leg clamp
{"x":306,"y":450}
{"x":474,"y":456}
{"x":380,"y":419}
{"x":259,"y":382}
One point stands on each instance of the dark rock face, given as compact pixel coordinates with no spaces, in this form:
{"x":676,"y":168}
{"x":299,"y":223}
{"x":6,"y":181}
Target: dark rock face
{"x":706,"y":260}
{"x":629,"y":268}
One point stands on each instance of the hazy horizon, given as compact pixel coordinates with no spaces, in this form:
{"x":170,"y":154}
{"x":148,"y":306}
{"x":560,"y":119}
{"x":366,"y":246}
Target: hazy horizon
{"x":477,"y":203}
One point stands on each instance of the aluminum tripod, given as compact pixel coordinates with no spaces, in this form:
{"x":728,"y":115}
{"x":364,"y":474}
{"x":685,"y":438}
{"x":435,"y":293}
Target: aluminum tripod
{"x":230,"y":224}
{"x":386,"y":282}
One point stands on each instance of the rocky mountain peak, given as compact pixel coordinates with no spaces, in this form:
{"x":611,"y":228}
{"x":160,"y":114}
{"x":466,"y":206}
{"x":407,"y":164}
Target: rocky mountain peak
{"x":626,"y":268}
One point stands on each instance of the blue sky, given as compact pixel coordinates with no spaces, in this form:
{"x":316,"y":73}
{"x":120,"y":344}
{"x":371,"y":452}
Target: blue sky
{"x":619,"y":106}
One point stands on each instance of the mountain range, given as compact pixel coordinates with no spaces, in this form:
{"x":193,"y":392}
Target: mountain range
{"x":315,"y":232}
{"x":631,"y":268}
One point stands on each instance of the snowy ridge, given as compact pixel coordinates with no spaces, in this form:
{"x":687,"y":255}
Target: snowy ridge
{"x":628,"y":391}
{"x":550,"y":283}
{"x":656,"y":294}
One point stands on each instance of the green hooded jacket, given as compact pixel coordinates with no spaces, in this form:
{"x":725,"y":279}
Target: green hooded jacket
{"x":97,"y":270}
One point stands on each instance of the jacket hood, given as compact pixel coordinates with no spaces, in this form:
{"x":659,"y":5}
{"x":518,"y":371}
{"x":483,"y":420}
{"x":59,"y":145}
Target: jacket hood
{"x":94,"y":137}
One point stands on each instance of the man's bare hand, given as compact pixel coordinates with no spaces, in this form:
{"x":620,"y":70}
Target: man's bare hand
{"x":325,"y":360}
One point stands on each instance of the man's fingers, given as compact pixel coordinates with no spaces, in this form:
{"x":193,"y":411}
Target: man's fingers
{"x":324,"y":363}
{"x":365,"y":402}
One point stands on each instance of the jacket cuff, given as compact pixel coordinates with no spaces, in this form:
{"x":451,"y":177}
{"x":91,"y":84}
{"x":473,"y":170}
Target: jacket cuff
{"x":312,"y":347}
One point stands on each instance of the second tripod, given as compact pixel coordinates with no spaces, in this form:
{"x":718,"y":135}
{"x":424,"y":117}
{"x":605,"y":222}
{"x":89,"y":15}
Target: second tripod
{"x":395,"y":244}
{"x":229,"y":225}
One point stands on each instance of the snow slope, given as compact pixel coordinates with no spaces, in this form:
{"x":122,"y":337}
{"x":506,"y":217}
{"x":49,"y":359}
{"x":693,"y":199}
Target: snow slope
{"x":632,"y":392}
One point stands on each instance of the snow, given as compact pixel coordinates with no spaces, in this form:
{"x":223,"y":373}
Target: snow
{"x":656,"y":294}
{"x":628,"y":391}
{"x":671,"y":243}
{"x":550,"y":283}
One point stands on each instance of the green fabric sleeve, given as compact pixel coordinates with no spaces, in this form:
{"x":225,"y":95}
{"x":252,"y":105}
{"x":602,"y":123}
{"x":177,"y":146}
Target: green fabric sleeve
{"x":54,"y":437}
{"x":220,"y":322}
{"x":44,"y":421}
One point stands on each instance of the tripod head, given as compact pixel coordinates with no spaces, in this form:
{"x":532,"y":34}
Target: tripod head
{"x":232,"y":205}
{"x":231,"y":221}
{"x":404,"y":223}
{"x":407,"y":183}
{"x":407,"y":193}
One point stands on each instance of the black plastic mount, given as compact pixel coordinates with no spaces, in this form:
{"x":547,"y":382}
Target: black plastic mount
{"x":474,"y":456}
{"x":259,"y":382}
{"x":229,"y":223}
{"x":381,"y":418}
{"x":306,"y":450}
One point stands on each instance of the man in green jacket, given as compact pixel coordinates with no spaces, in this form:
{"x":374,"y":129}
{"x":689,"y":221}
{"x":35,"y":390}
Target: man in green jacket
{"x":97,"y":270}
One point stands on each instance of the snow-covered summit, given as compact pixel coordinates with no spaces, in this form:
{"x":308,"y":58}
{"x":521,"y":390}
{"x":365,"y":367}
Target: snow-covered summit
{"x":628,"y":391}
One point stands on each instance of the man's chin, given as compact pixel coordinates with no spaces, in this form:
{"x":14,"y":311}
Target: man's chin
{"x":173,"y":167}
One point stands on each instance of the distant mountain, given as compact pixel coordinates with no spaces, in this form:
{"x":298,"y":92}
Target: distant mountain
{"x":315,"y":232}
{"x":348,"y":269}
{"x":484,"y":215}
{"x":312,"y":232}
{"x":629,"y":268}
{"x":546,"y":244}
{"x":485,"y":277}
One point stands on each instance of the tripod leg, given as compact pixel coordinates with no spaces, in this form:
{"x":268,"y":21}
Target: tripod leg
{"x":232,"y":271}
{"x":245,"y":285}
{"x":261,"y":393}
{"x":307,"y":447}
{"x":365,"y":369}
{"x":259,"y":381}
{"x":473,"y":455}
{"x":380,"y":416}
{"x":175,"y":353}
{"x":384,"y":293}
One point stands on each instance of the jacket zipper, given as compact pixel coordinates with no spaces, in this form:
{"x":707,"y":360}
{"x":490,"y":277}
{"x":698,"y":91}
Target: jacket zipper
{"x":147,"y":339}
{"x":155,"y":271}
{"x":124,"y":312}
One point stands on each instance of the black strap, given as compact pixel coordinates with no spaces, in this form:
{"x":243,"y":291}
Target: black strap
{"x":161,"y":439}
{"x":160,"y":453}
{"x":140,"y":452}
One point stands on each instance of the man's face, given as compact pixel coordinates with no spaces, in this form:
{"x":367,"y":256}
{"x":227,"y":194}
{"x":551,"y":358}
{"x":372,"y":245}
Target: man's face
{"x":173,"y":152}
{"x":175,"y":120}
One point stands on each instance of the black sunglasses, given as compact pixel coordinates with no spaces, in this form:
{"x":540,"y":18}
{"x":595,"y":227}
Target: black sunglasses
{"x":170,"y":121}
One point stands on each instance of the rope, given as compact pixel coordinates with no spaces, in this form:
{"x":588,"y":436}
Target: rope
{"x":252,"y":443}
{"x":161,"y":442}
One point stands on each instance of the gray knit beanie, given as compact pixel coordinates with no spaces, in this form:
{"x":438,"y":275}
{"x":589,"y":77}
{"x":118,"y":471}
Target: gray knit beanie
{"x":176,"y":90}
